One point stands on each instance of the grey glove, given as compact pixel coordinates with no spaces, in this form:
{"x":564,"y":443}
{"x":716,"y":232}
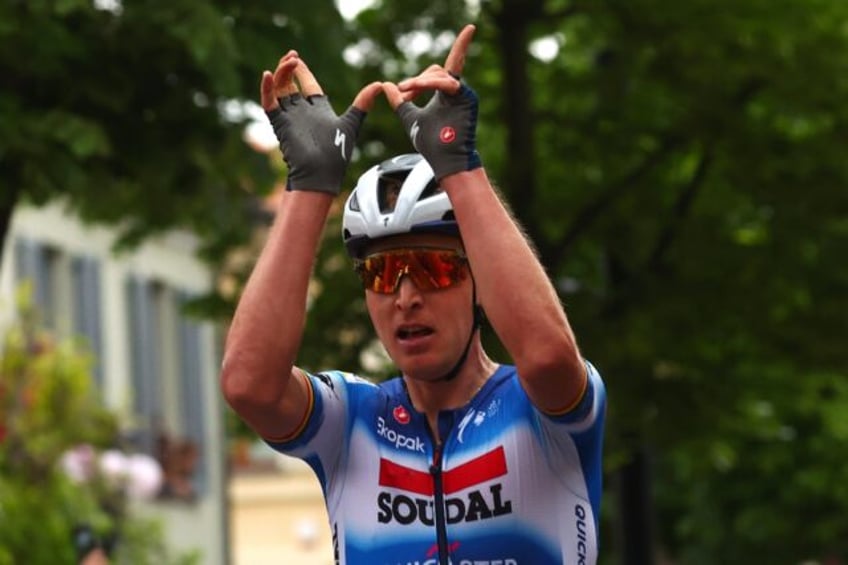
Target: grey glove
{"x":445,"y":130}
{"x":316,"y":144}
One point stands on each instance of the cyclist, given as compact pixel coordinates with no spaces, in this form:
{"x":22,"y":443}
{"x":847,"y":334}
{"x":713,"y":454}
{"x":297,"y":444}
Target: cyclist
{"x":459,"y":459}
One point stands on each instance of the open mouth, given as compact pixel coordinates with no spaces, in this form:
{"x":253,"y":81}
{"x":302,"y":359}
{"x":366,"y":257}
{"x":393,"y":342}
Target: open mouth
{"x":413,"y":331}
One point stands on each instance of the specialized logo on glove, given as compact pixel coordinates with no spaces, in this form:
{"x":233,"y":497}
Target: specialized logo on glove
{"x":413,"y":134}
{"x":340,"y":142}
{"x":447,"y":135}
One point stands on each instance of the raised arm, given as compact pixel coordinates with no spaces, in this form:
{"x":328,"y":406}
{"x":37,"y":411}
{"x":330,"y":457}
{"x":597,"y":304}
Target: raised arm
{"x":258,"y":376}
{"x":512,"y":286}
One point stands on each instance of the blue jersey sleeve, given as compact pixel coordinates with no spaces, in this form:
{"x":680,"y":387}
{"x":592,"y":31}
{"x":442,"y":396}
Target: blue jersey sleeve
{"x":322,"y":440}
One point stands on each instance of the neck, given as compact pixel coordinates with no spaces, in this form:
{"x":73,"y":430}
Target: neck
{"x":431,"y":397}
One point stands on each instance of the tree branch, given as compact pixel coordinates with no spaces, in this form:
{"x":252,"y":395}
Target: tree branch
{"x":687,"y":196}
{"x":681,"y":209}
{"x":591,"y":212}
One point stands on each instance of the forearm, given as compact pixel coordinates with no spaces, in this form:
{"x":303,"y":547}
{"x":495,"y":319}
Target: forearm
{"x":263,"y":340}
{"x":258,"y":378}
{"x":516,"y":293}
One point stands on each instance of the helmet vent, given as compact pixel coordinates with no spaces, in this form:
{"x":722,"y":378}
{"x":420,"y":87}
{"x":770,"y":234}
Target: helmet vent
{"x":432,"y":189}
{"x":388,"y":191}
{"x":354,"y":202}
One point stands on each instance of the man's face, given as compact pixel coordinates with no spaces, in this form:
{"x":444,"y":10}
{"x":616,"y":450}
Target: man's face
{"x":424,"y":331}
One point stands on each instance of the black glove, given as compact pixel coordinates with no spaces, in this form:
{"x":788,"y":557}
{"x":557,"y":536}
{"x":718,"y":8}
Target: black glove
{"x":445,"y":130}
{"x":316,"y":144}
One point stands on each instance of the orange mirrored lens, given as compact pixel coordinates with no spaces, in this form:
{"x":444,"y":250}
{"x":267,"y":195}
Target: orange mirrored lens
{"x":429,"y":269}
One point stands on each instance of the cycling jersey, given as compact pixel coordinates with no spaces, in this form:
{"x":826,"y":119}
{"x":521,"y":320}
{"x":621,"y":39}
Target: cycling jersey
{"x":509,"y":485}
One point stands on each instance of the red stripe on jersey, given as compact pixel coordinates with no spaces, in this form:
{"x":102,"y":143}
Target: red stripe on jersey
{"x":404,"y":478}
{"x":479,"y":470}
{"x":484,"y":468}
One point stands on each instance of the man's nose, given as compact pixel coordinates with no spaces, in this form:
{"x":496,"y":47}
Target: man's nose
{"x":407,"y":295}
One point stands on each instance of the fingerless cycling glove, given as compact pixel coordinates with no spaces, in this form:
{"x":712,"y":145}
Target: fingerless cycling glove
{"x":445,"y":130}
{"x":316,"y":144}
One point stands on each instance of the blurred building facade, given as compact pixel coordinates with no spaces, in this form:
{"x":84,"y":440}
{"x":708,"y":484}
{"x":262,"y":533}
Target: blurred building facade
{"x":156,"y":367}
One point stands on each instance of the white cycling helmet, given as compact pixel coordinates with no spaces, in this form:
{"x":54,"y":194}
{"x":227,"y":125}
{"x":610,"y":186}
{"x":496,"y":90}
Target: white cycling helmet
{"x":400,"y":195}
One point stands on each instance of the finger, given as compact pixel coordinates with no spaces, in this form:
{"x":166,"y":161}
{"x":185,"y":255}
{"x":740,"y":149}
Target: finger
{"x":444,"y":82}
{"x":289,"y":55}
{"x":456,"y":58}
{"x":434,"y":72}
{"x":308,"y":83}
{"x":431,"y":70}
{"x":410,"y":95}
{"x":435,"y":77}
{"x":393,"y":94}
{"x":365,"y":98}
{"x":266,"y":92}
{"x":284,"y":77}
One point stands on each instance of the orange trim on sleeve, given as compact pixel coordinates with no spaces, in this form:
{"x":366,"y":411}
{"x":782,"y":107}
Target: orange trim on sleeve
{"x":576,"y":402}
{"x":310,"y":401}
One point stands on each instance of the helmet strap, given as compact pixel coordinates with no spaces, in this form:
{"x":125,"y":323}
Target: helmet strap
{"x":477,"y":317}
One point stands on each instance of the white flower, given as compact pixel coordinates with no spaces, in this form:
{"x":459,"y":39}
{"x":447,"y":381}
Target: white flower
{"x":139,"y":476}
{"x":78,"y":463}
{"x":145,"y":476}
{"x":114,"y":466}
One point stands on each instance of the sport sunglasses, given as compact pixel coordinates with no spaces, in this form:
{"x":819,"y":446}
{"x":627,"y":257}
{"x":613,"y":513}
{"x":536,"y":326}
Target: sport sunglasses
{"x":429,"y":269}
